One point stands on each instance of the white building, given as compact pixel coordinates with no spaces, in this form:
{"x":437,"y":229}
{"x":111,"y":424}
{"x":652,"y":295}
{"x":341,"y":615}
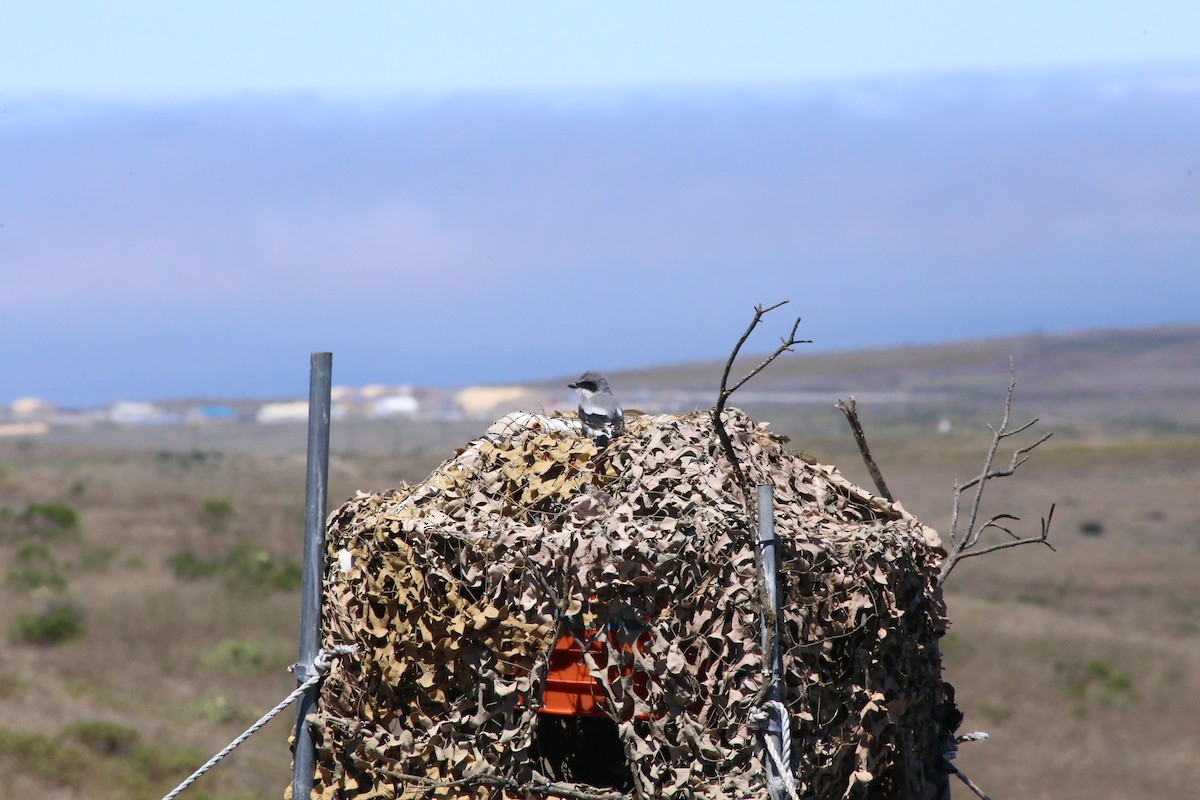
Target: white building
{"x":397,"y":405}
{"x":290,"y":411}
{"x":27,"y":409}
{"x":135,"y":413}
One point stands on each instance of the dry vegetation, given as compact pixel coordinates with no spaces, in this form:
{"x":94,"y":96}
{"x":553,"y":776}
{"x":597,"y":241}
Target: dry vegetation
{"x":175,"y":608}
{"x":1083,"y":664}
{"x":160,"y":622}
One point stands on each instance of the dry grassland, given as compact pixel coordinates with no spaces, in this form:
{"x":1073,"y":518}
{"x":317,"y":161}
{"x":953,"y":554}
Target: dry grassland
{"x":180,"y":572}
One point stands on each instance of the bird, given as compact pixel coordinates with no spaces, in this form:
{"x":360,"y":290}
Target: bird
{"x":600,"y":415}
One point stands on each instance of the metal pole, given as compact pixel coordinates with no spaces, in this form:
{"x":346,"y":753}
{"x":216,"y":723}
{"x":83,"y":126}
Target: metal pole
{"x":315,"y":492}
{"x":768,"y":545}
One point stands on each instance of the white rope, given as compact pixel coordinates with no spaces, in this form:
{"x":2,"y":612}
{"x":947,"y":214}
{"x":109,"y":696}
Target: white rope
{"x":320,"y":667}
{"x":782,"y":760}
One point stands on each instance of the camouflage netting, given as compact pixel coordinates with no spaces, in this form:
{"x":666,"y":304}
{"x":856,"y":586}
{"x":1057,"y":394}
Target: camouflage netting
{"x":456,"y":590}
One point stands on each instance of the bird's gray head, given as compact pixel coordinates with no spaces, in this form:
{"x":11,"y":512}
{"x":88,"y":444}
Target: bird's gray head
{"x":590,"y":382}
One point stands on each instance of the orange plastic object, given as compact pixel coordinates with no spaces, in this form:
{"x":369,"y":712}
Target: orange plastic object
{"x":570,"y":689}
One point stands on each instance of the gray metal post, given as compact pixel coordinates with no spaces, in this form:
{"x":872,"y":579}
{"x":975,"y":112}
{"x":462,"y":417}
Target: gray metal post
{"x":768,"y":545}
{"x":315,"y":492}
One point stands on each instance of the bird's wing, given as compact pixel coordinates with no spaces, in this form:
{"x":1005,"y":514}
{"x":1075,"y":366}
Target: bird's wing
{"x":594,"y":418}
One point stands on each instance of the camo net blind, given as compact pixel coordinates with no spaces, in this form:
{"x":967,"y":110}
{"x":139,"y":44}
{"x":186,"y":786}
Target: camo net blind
{"x":456,"y":590}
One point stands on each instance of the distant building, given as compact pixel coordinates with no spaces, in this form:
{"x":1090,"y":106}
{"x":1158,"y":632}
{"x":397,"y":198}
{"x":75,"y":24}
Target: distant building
{"x":210,"y":413}
{"x":134,"y":413}
{"x":397,"y":405}
{"x":28,"y":409}
{"x":365,"y":401}
{"x":375,"y":390}
{"x":290,"y":411}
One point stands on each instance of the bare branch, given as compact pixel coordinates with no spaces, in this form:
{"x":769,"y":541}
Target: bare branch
{"x":970,"y":784}
{"x":995,"y":519}
{"x":964,"y":543}
{"x":759,"y":311}
{"x":1040,"y":539}
{"x":851,"y":411}
{"x":727,"y":446}
{"x":786,"y":345}
{"x":1019,"y":457}
{"x":1022,"y":429}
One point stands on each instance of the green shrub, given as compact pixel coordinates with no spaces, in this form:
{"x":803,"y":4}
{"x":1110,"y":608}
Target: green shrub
{"x":101,"y":738}
{"x":106,"y":758}
{"x":216,"y":708}
{"x":1095,"y":680}
{"x":38,"y":755}
{"x":35,"y":554}
{"x":58,"y":623}
{"x":46,"y":521}
{"x":1109,"y":679}
{"x":34,"y":567}
{"x":152,"y":765}
{"x":255,"y":570}
{"x":287,"y":576}
{"x":186,"y":460}
{"x":56,"y":515}
{"x":189,"y":566}
{"x":27,"y":579}
{"x":99,"y":559}
{"x":995,"y":714}
{"x":245,"y":569}
{"x":235,"y":655}
{"x":215,"y":515}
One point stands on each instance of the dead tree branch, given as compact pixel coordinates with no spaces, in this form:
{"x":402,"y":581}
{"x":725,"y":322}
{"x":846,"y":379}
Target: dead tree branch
{"x":851,"y":411}
{"x":723,"y":395}
{"x":964,"y":543}
{"x":970,"y":784}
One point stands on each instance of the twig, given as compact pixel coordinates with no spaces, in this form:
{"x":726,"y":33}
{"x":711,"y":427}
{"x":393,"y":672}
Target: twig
{"x":964,"y":544}
{"x":725,"y":391}
{"x":851,"y":411}
{"x":1016,"y":542}
{"x":970,"y":784}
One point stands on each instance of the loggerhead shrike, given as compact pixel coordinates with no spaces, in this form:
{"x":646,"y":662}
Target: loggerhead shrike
{"x":599,"y":412}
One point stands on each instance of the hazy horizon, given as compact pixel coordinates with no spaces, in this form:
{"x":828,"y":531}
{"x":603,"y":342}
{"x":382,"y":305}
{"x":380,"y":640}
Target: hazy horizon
{"x":165,"y":249}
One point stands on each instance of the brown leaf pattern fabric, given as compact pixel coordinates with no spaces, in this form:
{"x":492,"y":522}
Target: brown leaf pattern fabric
{"x":456,"y":589}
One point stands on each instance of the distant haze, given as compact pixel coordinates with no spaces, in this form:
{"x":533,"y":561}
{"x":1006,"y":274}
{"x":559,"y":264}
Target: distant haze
{"x":204,"y":248}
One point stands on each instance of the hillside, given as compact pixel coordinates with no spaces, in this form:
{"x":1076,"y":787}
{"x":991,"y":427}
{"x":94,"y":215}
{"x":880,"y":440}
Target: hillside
{"x":1138,"y":379}
{"x":1143,"y":381}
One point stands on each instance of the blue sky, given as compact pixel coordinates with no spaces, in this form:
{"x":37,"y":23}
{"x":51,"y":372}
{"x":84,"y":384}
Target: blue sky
{"x":148,"y":49}
{"x":230,"y":185}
